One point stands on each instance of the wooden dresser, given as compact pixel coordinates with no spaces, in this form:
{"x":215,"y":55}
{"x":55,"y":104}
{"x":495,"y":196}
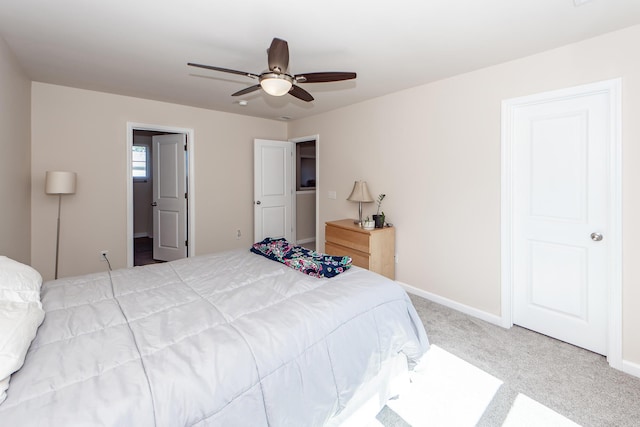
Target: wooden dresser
{"x":370,"y":249}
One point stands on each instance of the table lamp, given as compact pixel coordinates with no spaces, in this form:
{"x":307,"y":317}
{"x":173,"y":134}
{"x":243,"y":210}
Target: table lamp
{"x":360,"y":194}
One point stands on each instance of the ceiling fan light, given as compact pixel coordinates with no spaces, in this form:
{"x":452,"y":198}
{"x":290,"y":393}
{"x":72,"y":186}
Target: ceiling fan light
{"x":276,"y":85}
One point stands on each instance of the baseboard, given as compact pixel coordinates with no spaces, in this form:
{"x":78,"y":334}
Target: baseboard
{"x":631,"y":368}
{"x":482,"y":315}
{"x":307,"y":240}
{"x":138,"y":235}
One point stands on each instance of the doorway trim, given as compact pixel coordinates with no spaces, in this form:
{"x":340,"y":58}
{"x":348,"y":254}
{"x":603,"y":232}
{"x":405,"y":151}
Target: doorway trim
{"x":614,"y":276}
{"x":191,"y":225}
{"x":316,"y":138}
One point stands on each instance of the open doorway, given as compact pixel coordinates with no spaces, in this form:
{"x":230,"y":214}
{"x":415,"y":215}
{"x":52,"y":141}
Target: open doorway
{"x":160,"y":174}
{"x":143,"y":199}
{"x":306,"y":176}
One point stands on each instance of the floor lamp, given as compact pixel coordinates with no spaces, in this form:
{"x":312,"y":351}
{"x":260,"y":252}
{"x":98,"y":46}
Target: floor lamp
{"x":59,"y":182}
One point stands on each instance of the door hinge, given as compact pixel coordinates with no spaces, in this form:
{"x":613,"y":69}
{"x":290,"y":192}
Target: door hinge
{"x":185,"y":195}
{"x":185,"y":147}
{"x":186,"y":243}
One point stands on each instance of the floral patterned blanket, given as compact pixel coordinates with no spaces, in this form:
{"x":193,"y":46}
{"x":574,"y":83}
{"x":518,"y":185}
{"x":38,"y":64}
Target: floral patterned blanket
{"x":310,"y":262}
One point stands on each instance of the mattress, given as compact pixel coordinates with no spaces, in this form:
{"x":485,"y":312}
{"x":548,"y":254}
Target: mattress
{"x":228,"y":339}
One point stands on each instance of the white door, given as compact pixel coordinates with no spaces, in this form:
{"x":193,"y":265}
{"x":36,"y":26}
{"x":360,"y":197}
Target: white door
{"x":272,"y":189}
{"x":560,"y":218}
{"x":169,"y":197}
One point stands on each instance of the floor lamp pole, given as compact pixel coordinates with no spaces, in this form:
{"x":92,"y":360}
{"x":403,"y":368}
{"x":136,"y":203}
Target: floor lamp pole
{"x":58,"y":234}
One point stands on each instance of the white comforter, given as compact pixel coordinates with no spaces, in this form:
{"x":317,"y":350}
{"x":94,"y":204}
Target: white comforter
{"x":227,"y":339}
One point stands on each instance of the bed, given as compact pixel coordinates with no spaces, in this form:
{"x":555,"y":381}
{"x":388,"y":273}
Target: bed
{"x":227,"y":339}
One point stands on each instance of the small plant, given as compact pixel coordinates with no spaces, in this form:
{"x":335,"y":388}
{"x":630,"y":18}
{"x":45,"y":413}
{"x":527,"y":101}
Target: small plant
{"x":379,"y":218}
{"x":379,"y":202}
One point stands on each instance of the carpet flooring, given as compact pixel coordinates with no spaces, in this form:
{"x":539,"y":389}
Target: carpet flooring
{"x":532,"y":370}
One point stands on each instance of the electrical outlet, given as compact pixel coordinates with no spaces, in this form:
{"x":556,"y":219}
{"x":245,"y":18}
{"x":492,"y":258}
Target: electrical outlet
{"x":238,"y":234}
{"x":103,"y":255}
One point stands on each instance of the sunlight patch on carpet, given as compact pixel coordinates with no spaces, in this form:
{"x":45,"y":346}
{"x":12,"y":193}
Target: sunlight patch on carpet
{"x":445,"y":390}
{"x":374,"y":423}
{"x":526,"y":412}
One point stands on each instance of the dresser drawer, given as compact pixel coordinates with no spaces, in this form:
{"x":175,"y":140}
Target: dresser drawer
{"x":358,"y":258}
{"x":348,"y":238}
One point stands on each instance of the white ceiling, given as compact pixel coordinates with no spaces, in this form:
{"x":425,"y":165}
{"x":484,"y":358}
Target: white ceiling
{"x":141,"y":47}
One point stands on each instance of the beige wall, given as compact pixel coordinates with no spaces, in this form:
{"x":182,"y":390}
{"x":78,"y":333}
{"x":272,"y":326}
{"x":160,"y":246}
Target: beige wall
{"x":435,"y":151}
{"x":15,"y":158}
{"x":85,"y":132}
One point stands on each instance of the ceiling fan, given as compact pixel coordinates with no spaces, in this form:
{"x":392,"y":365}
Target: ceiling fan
{"x":276,"y":81}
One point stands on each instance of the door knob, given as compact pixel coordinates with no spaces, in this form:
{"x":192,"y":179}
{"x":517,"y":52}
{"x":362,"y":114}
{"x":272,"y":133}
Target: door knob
{"x":154,"y":204}
{"x":596,"y":237}
{"x":258,"y":202}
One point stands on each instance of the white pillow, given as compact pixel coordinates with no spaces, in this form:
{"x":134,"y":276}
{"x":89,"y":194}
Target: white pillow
{"x":18,"y":282}
{"x":20,"y":316}
{"x":19,"y":323}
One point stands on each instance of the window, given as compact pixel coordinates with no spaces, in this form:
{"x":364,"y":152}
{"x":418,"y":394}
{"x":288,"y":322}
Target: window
{"x":140,"y":162}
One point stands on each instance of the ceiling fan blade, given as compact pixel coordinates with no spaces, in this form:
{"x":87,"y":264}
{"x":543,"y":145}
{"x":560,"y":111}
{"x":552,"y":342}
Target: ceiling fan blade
{"x":246,"y":90}
{"x":224,"y":70}
{"x":279,"y":56}
{"x":300,"y":93}
{"x":324,"y":77}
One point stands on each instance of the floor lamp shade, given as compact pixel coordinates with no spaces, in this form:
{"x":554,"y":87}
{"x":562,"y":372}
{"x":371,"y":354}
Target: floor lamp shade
{"x":60,"y":182}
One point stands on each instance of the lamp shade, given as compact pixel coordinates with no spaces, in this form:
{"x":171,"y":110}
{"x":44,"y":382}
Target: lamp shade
{"x":60,"y":182}
{"x":360,"y":193}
